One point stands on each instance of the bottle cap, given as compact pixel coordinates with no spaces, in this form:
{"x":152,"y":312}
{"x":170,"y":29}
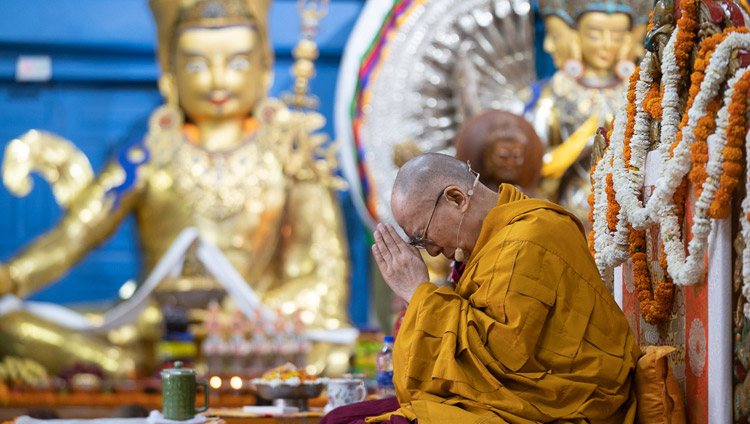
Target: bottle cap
{"x":388,"y":339}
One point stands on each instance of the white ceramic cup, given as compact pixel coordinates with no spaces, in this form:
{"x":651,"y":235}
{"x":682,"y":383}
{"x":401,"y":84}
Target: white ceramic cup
{"x":344,"y":391}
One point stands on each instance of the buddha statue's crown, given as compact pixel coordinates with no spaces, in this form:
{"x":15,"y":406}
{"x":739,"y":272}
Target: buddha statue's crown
{"x":215,"y":13}
{"x":173,"y":15}
{"x":571,"y":10}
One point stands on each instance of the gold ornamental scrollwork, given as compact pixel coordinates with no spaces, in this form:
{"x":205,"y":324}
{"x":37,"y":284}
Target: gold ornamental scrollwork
{"x":56,"y":159}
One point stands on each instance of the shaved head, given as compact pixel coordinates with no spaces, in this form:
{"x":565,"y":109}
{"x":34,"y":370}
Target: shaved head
{"x":436,"y":225}
{"x":422,"y":177}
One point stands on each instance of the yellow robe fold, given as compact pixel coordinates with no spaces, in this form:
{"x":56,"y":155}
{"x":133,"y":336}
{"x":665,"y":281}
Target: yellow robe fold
{"x":529,"y":335}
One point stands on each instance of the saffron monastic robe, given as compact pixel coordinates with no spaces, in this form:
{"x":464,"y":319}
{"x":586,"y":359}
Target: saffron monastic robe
{"x":530,"y":334}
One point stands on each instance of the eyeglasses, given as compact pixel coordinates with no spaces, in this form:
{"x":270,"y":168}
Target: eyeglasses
{"x":422,"y":242}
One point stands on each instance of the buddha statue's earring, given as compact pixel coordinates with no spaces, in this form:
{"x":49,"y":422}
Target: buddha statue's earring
{"x":624,"y":69}
{"x":573,"y":68}
{"x":167,"y":117}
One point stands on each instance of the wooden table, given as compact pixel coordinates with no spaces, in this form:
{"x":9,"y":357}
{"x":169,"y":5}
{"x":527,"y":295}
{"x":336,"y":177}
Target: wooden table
{"x":8,"y":414}
{"x":103,"y":405}
{"x":236,"y":416}
{"x":98,"y":405}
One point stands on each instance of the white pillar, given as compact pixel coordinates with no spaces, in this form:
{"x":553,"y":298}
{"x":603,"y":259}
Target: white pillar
{"x":720,"y":322}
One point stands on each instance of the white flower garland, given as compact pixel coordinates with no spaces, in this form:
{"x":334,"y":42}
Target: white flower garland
{"x":612,"y":249}
{"x":608,"y":246}
{"x":599,"y":226}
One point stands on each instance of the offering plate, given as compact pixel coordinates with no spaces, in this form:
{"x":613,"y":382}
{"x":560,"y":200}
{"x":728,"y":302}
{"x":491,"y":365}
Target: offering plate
{"x":294,"y":395}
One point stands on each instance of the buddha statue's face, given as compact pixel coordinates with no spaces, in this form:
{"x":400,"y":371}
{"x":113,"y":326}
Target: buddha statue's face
{"x":505,"y":150}
{"x":503,"y":146}
{"x":604,"y":38}
{"x":219,"y":72}
{"x":557,"y":39}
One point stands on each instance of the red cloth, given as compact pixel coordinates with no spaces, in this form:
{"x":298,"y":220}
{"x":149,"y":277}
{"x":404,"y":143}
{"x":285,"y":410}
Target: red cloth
{"x":457,"y":271}
{"x":357,"y":412}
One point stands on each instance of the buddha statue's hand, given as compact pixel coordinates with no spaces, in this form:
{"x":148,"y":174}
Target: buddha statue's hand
{"x":401,"y":265}
{"x":6,"y":283}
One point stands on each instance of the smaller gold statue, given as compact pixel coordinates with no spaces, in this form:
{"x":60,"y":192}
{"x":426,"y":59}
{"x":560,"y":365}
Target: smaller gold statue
{"x":596,"y":56}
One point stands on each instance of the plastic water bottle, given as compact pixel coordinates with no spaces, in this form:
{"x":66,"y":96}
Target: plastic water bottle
{"x":385,"y":369}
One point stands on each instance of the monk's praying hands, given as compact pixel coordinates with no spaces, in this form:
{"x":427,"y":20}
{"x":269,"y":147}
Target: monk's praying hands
{"x":401,"y":265}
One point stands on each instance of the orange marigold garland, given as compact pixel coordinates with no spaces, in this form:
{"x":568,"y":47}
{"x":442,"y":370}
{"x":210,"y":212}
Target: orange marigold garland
{"x":663,"y":293}
{"x":688,"y":27}
{"x":613,"y":208}
{"x":661,"y":300}
{"x":699,"y":149}
{"x":655,"y":304}
{"x":652,"y":102}
{"x":592,"y":233}
{"x":733,"y":153}
{"x":631,"y":109}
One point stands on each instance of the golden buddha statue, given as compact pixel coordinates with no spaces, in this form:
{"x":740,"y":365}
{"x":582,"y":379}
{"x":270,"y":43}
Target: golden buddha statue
{"x":218,"y":157}
{"x":595,"y":55}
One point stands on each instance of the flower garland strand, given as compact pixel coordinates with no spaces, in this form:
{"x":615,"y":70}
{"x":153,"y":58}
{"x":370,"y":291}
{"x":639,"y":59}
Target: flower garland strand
{"x":707,"y":123}
{"x":613,"y":208}
{"x":733,"y":153}
{"x":591,"y":198}
{"x":652,"y":102}
{"x":664,"y":292}
{"x":699,"y":148}
{"x":631,"y":108}
{"x":688,"y":29}
{"x":611,"y":247}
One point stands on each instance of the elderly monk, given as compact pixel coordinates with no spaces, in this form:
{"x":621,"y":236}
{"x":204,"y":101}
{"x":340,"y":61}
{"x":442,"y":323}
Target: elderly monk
{"x":529,"y":335}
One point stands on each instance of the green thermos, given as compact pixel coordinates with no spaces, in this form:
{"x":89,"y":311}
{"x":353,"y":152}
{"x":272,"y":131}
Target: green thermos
{"x":178,"y":393}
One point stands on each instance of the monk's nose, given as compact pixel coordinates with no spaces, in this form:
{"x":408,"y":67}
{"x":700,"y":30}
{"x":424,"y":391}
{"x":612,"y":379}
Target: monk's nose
{"x":433,"y":250}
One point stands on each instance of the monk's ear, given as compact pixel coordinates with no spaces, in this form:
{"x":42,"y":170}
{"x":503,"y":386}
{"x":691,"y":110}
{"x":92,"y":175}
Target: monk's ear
{"x":455,"y":197}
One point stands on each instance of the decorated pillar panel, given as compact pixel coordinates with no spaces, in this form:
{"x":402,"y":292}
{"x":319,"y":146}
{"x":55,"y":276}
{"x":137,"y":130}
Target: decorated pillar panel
{"x":669,"y":177}
{"x":671,"y":331}
{"x":697,"y":324}
{"x":696,"y":333}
